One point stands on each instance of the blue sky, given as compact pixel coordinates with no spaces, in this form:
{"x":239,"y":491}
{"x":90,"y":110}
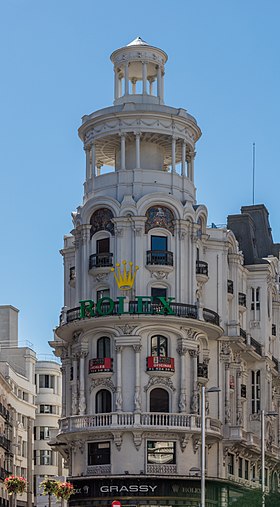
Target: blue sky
{"x":223,"y":68}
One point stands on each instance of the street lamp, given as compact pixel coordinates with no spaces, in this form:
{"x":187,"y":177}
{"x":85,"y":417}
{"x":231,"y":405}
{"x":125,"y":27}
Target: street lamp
{"x":263,"y":415}
{"x":210,"y":390}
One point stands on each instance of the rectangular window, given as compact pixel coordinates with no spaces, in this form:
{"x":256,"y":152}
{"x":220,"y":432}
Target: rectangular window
{"x":24,"y":449}
{"x":161,"y":452}
{"x":231,"y":463}
{"x":246,"y":469}
{"x":103,"y":293}
{"x":255,"y":298}
{"x":44,"y":433}
{"x":256,"y":391}
{"x":34,"y":457}
{"x":103,"y":246}
{"x":47,"y":409}
{"x":240,"y":467}
{"x":46,"y":457}
{"x":99,"y":453}
{"x":46,"y":381}
{"x":159,"y":243}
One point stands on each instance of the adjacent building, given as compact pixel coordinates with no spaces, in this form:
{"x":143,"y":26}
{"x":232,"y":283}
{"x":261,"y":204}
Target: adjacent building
{"x":157,"y":305}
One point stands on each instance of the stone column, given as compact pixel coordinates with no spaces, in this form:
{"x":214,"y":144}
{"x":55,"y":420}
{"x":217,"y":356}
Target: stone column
{"x":137,"y":149}
{"x":173,"y":154}
{"x":74,"y":385}
{"x":126,"y":82}
{"x":123,"y":152}
{"x":82,"y":400}
{"x":182,"y":350}
{"x":227,"y":395}
{"x":116,"y":91}
{"x":159,"y":82}
{"x":239,"y":411}
{"x":151,"y":82}
{"x":183,"y":166}
{"x":87,"y":150}
{"x":144,"y":78}
{"x":63,"y":394}
{"x":92,"y":169}
{"x":134,"y":81}
{"x":137,"y":393}
{"x":194,"y":400}
{"x":119,"y":399}
{"x":192,"y":155}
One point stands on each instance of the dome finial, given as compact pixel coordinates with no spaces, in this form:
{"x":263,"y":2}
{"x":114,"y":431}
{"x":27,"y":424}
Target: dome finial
{"x":138,"y":42}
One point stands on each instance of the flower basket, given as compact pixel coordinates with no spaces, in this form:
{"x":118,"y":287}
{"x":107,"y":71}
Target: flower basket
{"x":64,"y":490}
{"x":49,"y":486}
{"x":15,"y":485}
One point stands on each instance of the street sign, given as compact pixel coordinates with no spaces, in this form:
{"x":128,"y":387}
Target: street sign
{"x":116,"y":503}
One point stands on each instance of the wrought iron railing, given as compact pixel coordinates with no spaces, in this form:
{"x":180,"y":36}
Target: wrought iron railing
{"x":159,"y":258}
{"x":201,"y":268}
{"x":242,"y":299}
{"x":230,"y":286}
{"x":103,"y":260}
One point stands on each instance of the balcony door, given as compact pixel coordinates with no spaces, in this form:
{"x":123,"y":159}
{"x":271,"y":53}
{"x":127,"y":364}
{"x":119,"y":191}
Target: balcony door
{"x":159,"y":243}
{"x":103,"y":246}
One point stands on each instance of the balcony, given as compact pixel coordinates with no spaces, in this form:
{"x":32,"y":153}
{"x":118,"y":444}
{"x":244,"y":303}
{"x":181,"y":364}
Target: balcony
{"x":202,"y":371}
{"x":100,"y":365}
{"x":130,"y":420}
{"x":242,"y":299}
{"x":159,"y":262}
{"x":201,"y":268}
{"x":99,"y":261}
{"x":160,"y":365}
{"x":4,"y":412}
{"x":5,"y":443}
{"x":230,"y":287}
{"x":72,"y":276}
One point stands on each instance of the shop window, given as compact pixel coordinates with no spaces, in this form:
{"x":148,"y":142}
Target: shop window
{"x":159,"y":400}
{"x":103,"y":402}
{"x":160,"y":452}
{"x":103,"y":347}
{"x":99,"y":453}
{"x":159,"y":346}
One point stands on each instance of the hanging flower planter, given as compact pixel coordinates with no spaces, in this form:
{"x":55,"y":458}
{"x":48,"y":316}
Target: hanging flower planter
{"x":49,"y":486}
{"x":15,"y":485}
{"x":64,"y":490}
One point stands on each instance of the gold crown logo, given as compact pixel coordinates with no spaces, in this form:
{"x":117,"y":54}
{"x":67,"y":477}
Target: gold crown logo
{"x":125,"y":278}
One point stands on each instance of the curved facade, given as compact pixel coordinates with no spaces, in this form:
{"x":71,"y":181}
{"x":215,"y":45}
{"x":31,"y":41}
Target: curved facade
{"x":137,"y":344}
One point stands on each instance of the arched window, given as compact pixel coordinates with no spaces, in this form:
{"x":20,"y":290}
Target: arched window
{"x":159,"y":400}
{"x":103,"y":347}
{"x":101,"y":220}
{"x":103,"y":402}
{"x":159,"y":346}
{"x":159,"y":216}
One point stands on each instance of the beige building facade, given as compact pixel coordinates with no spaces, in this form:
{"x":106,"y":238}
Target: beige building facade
{"x":158,"y":305}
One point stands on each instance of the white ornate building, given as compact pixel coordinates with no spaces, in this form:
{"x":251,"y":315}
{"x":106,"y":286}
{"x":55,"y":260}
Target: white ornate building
{"x":199,"y":312}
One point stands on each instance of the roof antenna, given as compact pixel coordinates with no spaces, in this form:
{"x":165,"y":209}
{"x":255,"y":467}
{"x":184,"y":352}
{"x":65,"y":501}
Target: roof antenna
{"x":254,"y":159}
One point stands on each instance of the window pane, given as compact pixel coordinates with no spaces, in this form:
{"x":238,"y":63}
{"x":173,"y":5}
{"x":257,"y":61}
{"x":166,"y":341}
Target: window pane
{"x":103,"y":347}
{"x":159,"y":346}
{"x":103,"y":402}
{"x":99,"y":453}
{"x":159,"y":401}
{"x":161,"y":452}
{"x":103,"y":245}
{"x":159,"y":243}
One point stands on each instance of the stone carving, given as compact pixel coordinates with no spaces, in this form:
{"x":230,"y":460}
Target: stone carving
{"x":127,"y":329}
{"x":195,"y":442}
{"x":194,"y":403}
{"x":101,"y":220}
{"x":118,"y":440}
{"x":184,"y":441}
{"x":159,"y":216}
{"x":161,"y":381}
{"x":106,"y":382}
{"x":159,"y":275}
{"x":137,"y":439}
{"x":102,"y":277}
{"x":137,"y":400}
{"x":119,"y":399}
{"x":182,"y":401}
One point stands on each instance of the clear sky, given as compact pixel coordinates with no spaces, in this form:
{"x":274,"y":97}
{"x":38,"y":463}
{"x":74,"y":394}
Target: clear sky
{"x":223,"y":68}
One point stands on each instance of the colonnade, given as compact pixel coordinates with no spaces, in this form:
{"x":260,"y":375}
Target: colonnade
{"x":93,"y":166}
{"x":146,"y":80}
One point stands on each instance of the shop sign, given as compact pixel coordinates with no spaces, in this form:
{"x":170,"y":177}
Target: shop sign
{"x":142,"y":305}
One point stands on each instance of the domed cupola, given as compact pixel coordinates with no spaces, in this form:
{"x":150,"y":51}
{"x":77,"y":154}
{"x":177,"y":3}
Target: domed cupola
{"x":139,"y":73}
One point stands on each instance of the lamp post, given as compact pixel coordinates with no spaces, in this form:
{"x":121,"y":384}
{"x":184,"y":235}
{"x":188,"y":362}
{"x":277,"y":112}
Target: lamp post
{"x":210,"y":390}
{"x":263,"y":415}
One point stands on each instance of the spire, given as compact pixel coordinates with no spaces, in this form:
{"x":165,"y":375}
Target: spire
{"x":138,"y":42}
